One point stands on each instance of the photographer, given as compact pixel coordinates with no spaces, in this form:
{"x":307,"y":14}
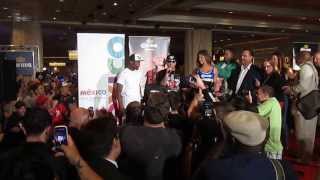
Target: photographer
{"x":207,"y":130}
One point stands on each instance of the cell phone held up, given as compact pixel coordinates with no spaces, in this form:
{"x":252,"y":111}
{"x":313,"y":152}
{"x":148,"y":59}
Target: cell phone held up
{"x":60,"y":135}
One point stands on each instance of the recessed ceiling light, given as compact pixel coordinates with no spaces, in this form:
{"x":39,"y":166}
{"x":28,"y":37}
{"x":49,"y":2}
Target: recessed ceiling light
{"x":115,"y":4}
{"x":306,"y":30}
{"x":319,"y":19}
{"x":54,"y":18}
{"x":303,"y":18}
{"x":9,"y":16}
{"x":17,"y":14}
{"x":269,"y":15}
{"x":221,"y":40}
{"x":283,"y":30}
{"x":58,"y":11}
{"x":229,"y":39}
{"x":5,"y":8}
{"x":230,"y":12}
{"x":104,"y":13}
{"x":61,"y":1}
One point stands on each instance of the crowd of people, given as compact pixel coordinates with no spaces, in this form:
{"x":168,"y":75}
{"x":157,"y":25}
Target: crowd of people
{"x":227,"y":120}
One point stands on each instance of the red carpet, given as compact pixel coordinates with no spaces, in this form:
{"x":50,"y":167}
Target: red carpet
{"x":305,"y":171}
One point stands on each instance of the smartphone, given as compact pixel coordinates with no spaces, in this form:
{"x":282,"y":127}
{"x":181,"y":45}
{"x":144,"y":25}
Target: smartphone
{"x":91,"y":112}
{"x":60,"y":135}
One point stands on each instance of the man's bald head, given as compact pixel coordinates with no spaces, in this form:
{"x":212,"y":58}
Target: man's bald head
{"x":79,"y":117}
{"x":316,"y":59}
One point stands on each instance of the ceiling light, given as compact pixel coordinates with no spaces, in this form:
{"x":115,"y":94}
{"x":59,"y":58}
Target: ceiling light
{"x":54,"y":18}
{"x":230,"y":27}
{"x":230,"y":12}
{"x":5,"y":8}
{"x":221,"y":40}
{"x":17,"y":14}
{"x":269,"y":15}
{"x":283,"y":30}
{"x":229,"y":39}
{"x":104,"y":13}
{"x":9,"y":16}
{"x":303,"y":18}
{"x":58,"y":11}
{"x":115,"y":4}
{"x":319,"y":19}
{"x":306,"y":30}
{"x":61,"y":1}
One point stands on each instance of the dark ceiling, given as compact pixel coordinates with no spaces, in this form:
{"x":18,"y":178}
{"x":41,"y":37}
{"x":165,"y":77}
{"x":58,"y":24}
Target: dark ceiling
{"x":294,"y":15}
{"x":233,"y":21}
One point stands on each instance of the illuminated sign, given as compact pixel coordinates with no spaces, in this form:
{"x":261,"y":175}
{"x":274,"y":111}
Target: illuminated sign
{"x":57,"y":64}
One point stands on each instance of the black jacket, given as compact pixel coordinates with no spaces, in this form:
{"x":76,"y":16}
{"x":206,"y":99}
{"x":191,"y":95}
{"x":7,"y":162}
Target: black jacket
{"x":106,"y":169}
{"x":276,"y":82}
{"x":248,"y":83}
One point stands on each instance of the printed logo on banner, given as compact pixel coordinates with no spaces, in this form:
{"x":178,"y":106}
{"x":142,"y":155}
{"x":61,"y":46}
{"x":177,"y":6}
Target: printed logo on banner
{"x":149,"y":45}
{"x":101,"y":56}
{"x":116,"y":51}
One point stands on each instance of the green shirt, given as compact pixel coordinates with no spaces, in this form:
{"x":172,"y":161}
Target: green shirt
{"x":271,"y":110}
{"x":225,"y":69}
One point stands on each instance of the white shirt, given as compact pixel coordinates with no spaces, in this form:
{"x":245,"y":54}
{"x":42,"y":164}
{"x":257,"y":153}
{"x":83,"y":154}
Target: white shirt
{"x":130,"y":80}
{"x":243,"y":73}
{"x":112,"y":162}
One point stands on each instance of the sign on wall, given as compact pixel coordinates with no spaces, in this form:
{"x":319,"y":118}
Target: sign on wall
{"x":100,"y":59}
{"x":24,"y":61}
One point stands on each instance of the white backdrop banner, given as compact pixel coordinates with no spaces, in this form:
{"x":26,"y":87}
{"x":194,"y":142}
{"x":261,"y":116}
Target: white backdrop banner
{"x":100,"y":59}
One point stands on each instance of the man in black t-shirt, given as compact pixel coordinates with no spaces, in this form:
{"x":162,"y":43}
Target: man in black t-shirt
{"x":172,"y":79}
{"x":150,"y":150}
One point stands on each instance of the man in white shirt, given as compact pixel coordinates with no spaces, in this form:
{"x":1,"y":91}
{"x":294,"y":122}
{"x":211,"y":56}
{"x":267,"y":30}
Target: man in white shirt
{"x":129,"y":83}
{"x":308,"y":81}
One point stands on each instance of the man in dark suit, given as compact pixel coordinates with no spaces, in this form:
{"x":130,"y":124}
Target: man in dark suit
{"x":247,"y":77}
{"x":102,"y":147}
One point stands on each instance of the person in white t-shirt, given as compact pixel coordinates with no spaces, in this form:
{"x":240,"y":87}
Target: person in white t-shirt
{"x":129,"y":83}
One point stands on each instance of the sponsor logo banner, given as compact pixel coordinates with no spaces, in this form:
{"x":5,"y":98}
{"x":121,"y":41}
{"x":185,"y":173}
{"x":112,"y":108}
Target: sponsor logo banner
{"x":100,"y":58}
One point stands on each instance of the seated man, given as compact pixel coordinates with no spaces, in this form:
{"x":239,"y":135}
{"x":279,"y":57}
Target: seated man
{"x":249,"y":131}
{"x":148,"y":148}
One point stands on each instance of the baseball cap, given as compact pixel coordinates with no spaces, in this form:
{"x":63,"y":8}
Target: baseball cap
{"x":65,"y":84}
{"x":305,"y":48}
{"x":247,"y":127}
{"x":171,"y":58}
{"x":135,"y":57}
